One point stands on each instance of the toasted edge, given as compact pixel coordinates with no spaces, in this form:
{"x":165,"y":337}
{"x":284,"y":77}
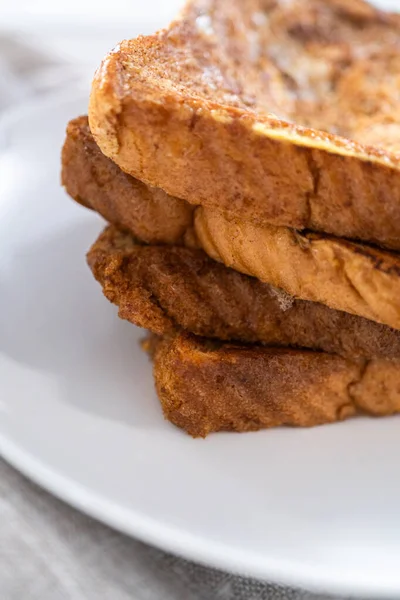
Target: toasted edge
{"x":205,"y":388}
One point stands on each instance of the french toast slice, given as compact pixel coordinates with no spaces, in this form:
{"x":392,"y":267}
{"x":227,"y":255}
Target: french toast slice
{"x":205,"y":386}
{"x":346,"y":276}
{"x":275,"y":112}
{"x":96,"y":182}
{"x":170,"y":288}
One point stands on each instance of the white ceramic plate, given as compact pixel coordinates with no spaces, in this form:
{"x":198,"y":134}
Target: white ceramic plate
{"x":318,"y":508}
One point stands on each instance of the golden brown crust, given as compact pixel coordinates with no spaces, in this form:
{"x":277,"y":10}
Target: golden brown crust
{"x":192,"y":111}
{"x":204,"y":387}
{"x":167,"y":288}
{"x":359,"y":279}
{"x":345,"y":276}
{"x":96,"y":182}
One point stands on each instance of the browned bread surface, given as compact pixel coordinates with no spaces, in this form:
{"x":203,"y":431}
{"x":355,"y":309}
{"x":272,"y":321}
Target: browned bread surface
{"x":96,"y":182}
{"x":164,"y":288}
{"x":205,"y":387}
{"x":357,"y":278}
{"x":346,"y":276}
{"x":238,"y":106}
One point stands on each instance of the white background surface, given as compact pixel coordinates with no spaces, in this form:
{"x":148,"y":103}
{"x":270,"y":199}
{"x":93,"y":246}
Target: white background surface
{"x":84,"y":30}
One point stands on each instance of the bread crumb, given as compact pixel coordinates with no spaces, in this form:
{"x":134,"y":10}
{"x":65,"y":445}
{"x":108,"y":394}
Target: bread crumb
{"x":284,"y":299}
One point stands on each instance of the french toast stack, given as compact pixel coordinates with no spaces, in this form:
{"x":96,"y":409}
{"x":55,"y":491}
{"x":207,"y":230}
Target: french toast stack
{"x":247,"y":159}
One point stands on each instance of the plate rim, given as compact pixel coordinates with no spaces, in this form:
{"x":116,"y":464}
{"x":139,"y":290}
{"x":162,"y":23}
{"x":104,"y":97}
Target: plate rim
{"x":319,"y":579}
{"x":187,"y":546}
